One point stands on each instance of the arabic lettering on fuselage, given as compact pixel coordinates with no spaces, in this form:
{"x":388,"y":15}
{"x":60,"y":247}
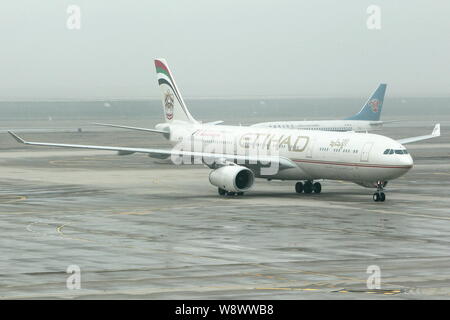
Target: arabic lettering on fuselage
{"x":339,"y":143}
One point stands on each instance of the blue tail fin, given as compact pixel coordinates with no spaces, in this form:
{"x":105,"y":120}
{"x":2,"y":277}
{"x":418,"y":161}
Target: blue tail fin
{"x":371,"y":110}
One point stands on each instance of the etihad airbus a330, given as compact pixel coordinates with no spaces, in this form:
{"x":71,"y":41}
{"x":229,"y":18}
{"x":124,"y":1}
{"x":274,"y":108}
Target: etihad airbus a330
{"x":239,"y":154}
{"x":367,"y":119}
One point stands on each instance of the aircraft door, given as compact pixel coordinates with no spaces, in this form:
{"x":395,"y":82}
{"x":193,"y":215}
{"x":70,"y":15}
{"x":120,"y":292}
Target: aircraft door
{"x":366,"y":151}
{"x":309,"y":151}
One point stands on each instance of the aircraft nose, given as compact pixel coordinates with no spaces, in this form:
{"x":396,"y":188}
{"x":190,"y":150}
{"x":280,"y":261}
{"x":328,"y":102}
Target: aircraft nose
{"x":405,"y":160}
{"x":409,"y":161}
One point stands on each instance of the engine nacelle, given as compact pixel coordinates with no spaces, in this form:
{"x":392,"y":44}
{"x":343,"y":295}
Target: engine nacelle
{"x":232,"y":178}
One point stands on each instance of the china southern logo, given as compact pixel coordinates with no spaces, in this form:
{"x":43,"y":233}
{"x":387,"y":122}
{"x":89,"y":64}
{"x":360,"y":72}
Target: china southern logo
{"x":374,"y":104}
{"x":168,"y":105}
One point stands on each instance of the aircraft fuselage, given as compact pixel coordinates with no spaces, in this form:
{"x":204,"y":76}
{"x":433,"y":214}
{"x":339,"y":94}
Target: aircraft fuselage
{"x":357,"y":157}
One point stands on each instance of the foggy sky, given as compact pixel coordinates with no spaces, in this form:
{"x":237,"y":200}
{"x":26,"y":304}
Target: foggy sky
{"x":223,"y":48}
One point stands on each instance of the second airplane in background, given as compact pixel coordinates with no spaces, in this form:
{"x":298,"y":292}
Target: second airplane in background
{"x":367,"y":119}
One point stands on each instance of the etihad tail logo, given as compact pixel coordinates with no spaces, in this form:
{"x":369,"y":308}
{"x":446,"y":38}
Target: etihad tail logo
{"x":375,"y":105}
{"x":165,"y":78}
{"x":168,"y":105}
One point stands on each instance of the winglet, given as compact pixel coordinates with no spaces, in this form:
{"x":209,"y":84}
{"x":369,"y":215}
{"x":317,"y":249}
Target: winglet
{"x":16,"y":137}
{"x":437,"y":130}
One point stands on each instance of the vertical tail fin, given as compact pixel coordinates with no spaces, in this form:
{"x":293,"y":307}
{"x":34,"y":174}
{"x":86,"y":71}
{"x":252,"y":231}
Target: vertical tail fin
{"x":173,"y":103}
{"x":372,"y":108}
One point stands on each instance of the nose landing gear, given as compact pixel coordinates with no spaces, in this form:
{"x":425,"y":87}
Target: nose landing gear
{"x":379,"y":195}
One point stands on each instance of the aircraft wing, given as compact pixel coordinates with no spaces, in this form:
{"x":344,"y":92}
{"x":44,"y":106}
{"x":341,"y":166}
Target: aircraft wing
{"x":436,"y":133}
{"x":246,"y":160}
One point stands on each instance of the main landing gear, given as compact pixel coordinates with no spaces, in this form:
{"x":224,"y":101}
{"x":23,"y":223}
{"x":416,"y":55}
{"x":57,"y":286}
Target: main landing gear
{"x":224,"y":192}
{"x":308,"y":187}
{"x":379,"y":196}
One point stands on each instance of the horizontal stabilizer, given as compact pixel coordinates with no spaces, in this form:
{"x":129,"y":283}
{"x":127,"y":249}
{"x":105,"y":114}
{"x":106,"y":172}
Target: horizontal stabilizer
{"x":383,"y":122}
{"x":215,"y":122}
{"x":130,"y":128}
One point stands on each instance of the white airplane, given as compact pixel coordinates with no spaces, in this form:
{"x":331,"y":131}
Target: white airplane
{"x":239,"y":154}
{"x":367,"y":119}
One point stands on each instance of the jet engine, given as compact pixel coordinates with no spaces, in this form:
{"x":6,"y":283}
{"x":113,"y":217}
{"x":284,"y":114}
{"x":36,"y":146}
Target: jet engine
{"x":232,"y":178}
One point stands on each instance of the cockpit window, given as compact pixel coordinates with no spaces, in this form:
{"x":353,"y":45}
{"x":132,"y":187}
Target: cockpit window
{"x":398,"y":151}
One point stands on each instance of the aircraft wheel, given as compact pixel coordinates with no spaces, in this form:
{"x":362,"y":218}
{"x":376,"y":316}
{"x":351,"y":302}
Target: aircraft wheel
{"x":221,"y":191}
{"x":382,"y":197}
{"x":317,"y":187}
{"x":376,"y":197}
{"x":240,"y":193}
{"x":231,"y":193}
{"x":308,"y":187}
{"x":299,"y":187}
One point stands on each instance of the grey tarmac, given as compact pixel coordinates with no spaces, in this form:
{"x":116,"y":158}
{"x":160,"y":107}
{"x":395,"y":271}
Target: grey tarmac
{"x":146,"y":230}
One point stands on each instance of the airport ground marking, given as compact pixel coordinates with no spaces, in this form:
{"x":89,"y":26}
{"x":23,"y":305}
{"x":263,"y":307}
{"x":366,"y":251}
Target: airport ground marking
{"x":62,"y":234}
{"x":424,"y":216}
{"x":135,"y":212}
{"x":327,"y":275}
{"x":11,"y":198}
{"x":377,"y":291}
{"x":59,"y":230}
{"x":83,"y":159}
{"x":287,"y":289}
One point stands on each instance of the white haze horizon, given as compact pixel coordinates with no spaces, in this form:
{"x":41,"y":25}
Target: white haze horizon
{"x":223,"y":49}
